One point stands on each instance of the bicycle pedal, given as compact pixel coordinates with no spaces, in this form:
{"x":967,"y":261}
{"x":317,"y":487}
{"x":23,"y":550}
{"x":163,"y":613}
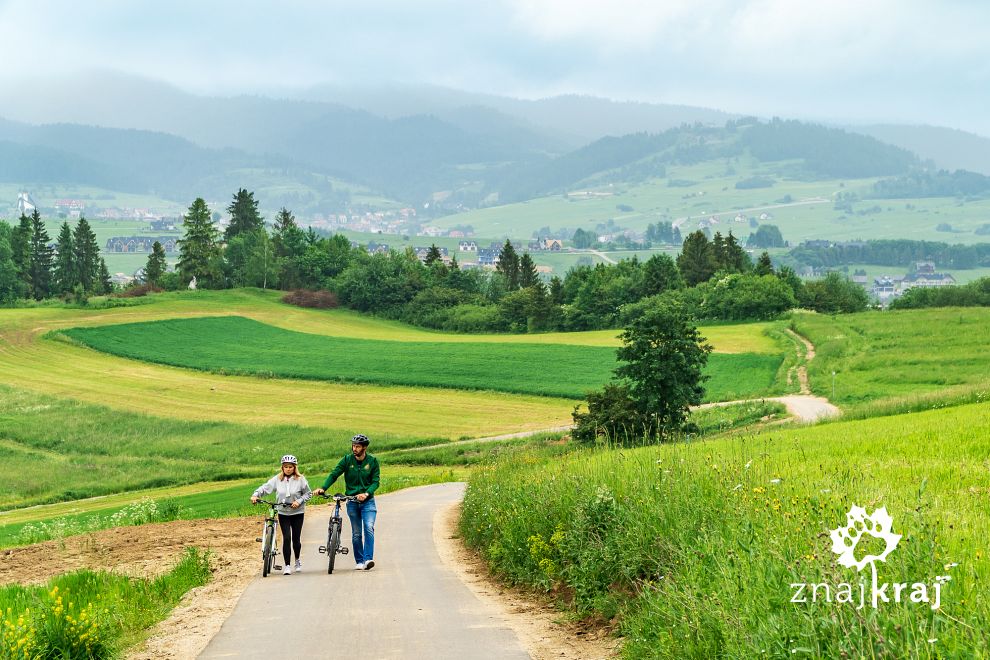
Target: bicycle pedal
{"x":323,"y":549}
{"x":344,"y":551}
{"x":276,"y":567}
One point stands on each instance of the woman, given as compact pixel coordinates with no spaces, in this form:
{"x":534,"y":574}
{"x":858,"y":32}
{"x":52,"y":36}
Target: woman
{"x":292,"y":488}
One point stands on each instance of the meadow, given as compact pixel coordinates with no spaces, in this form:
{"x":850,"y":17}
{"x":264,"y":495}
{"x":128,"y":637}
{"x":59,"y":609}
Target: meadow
{"x":241,"y":346}
{"x":692,"y":549}
{"x":807,"y":214}
{"x":899,"y":360}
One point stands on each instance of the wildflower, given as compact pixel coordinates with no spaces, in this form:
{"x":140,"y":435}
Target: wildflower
{"x":952,"y":565}
{"x":775,"y":481}
{"x":738,"y":486}
{"x":748,"y":463}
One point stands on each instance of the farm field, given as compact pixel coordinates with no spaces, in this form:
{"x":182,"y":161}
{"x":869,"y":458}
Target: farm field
{"x":900,"y":358}
{"x":242,"y":346}
{"x":962,"y":276}
{"x":710,"y":551}
{"x":808,"y":214}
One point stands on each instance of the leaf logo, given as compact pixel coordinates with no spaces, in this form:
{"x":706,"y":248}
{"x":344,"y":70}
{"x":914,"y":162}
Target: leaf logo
{"x":877,"y":525}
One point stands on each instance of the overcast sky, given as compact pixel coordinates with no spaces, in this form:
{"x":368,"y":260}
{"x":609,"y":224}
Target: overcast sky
{"x":843,"y":60}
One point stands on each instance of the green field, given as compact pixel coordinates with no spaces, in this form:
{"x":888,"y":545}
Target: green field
{"x":693,"y":548}
{"x":240,"y":346}
{"x":914,"y":357}
{"x":809,"y":215}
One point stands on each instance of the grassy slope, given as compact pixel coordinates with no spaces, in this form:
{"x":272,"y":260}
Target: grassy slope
{"x":694,"y":546}
{"x":714,"y":192}
{"x":242,"y":346}
{"x":899,"y":356}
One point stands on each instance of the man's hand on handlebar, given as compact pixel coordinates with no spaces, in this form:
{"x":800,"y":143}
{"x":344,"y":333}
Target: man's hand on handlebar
{"x":362,"y":497}
{"x":318,"y":491}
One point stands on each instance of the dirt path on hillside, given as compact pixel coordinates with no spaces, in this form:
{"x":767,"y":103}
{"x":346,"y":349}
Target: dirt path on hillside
{"x":801,"y":368}
{"x":147,"y":551}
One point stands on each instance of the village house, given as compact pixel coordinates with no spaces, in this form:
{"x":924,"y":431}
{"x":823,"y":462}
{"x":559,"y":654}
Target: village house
{"x":467,"y":246}
{"x":140,"y":243}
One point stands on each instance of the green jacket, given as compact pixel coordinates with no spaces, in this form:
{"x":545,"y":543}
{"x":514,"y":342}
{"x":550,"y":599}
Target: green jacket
{"x":359,"y":476}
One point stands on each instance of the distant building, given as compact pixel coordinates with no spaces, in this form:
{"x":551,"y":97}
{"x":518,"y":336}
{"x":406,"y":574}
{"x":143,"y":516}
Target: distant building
{"x":926,"y":280}
{"x":423,"y":252}
{"x":488,"y":257}
{"x":141,"y":243}
{"x":25,"y":205}
{"x":467,"y":246}
{"x":884,"y":288}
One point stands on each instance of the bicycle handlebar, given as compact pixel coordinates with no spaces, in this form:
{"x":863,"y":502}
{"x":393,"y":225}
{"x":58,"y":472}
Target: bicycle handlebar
{"x":273,"y":504}
{"x":339,"y":497}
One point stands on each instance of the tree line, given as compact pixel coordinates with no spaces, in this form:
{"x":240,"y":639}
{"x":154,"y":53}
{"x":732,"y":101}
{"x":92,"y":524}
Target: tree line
{"x":32,"y":266}
{"x":893,"y":252}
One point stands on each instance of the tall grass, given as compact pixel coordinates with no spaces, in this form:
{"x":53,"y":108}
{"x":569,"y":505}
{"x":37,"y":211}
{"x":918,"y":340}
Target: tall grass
{"x":692,"y":548}
{"x":237,"y":345}
{"x":90,"y":614}
{"x":898,"y":360}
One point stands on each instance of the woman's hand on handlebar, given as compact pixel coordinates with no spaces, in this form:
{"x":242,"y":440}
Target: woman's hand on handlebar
{"x":254,"y":500}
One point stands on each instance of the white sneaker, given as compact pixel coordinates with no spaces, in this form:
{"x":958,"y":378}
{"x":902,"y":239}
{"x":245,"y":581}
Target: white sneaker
{"x":298,"y":566}
{"x":359,"y":567}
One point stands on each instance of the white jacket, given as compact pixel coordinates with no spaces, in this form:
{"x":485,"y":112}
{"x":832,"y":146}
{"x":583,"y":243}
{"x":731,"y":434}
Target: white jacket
{"x":287,"y":490}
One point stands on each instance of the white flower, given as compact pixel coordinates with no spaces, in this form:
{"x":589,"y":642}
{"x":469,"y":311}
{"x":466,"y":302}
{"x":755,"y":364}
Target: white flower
{"x":748,"y":463}
{"x":738,"y":486}
{"x":775,"y":481}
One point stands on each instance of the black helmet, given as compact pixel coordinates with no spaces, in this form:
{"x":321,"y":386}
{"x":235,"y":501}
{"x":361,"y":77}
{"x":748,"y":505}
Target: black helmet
{"x":360,"y":439}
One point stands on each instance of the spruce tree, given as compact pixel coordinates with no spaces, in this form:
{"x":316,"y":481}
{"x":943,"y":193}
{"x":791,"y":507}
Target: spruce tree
{"x":11,"y":286}
{"x":660,"y":274}
{"x":156,"y":266}
{"x":528,"y":277}
{"x":433,"y":255}
{"x":764,"y":266}
{"x":556,"y":291}
{"x":41,"y":258}
{"x":244,"y":216}
{"x":87,"y":256}
{"x":104,"y":285}
{"x":66,"y":274}
{"x":199,"y":249}
{"x":20,"y":247}
{"x":508,"y":265}
{"x":696,"y":260}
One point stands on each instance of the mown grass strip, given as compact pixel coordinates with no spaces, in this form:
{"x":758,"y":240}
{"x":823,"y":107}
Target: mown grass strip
{"x":237,"y":345}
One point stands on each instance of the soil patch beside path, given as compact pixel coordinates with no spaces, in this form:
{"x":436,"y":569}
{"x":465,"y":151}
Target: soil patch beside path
{"x":147,"y":551}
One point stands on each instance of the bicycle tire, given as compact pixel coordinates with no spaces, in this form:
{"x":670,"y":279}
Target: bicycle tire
{"x":268,"y":551}
{"x":332,"y":546}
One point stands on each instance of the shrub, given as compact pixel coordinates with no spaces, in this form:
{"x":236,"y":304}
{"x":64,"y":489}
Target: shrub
{"x":138,"y":291}
{"x":312,"y":299}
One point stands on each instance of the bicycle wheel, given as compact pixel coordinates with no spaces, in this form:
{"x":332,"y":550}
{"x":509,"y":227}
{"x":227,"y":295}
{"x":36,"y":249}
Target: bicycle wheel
{"x":333,"y":544}
{"x":268,"y":550}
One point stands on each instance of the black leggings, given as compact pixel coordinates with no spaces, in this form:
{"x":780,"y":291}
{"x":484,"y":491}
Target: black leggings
{"x":291,"y":532}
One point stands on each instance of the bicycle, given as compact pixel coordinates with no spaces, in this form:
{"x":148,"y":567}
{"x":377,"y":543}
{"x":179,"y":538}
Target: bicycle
{"x":333,"y":530}
{"x":269,"y":539}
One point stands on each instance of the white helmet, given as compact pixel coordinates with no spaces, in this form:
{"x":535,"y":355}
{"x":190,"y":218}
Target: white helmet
{"x":289,"y":458}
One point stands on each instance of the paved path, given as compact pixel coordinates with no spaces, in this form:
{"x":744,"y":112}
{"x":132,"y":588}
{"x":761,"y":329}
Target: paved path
{"x":409,"y":606}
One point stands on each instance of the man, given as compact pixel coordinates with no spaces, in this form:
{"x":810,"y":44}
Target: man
{"x":360,"y":470}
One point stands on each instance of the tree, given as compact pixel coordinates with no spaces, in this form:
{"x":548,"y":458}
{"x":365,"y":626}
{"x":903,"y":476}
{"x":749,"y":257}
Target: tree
{"x":87,"y":256}
{"x":660,"y":274}
{"x":583,"y":239}
{"x":433,"y":255}
{"x":767,"y":236}
{"x":104,"y":284}
{"x":508,"y":265}
{"x":289,"y":243}
{"x":156,"y":265}
{"x":41,"y":258}
{"x":199,"y":249}
{"x":66,"y":273}
{"x":252,"y":259}
{"x":244,"y":215}
{"x":20,"y":248}
{"x":697,"y":259}
{"x":556,"y":291}
{"x":528,"y":277}
{"x":11,"y":286}
{"x":834,"y":293}
{"x":735,"y":258}
{"x":764,"y":265}
{"x":662,"y":358}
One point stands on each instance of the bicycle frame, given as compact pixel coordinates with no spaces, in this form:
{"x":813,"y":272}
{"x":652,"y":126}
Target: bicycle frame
{"x":336,"y":524}
{"x":269,"y":530}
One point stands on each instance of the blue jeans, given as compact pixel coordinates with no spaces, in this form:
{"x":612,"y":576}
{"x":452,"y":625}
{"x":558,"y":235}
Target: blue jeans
{"x":362,"y":515}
